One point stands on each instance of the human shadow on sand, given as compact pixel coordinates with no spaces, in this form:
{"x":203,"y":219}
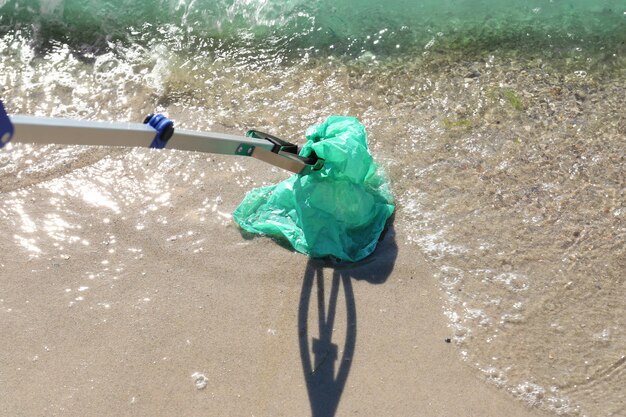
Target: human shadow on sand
{"x":326,"y":372}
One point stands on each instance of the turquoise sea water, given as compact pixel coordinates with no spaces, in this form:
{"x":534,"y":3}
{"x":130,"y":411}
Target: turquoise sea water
{"x":501,"y":125}
{"x":328,"y":27}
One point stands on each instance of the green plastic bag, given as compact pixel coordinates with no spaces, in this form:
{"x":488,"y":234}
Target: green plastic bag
{"x":339,"y":211}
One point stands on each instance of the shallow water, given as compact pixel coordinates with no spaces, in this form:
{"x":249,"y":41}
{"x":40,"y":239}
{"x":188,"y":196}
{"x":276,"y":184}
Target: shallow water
{"x":503,"y":133}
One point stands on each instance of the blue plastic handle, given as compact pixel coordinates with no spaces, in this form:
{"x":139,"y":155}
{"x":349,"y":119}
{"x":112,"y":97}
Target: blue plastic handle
{"x":6,"y":127}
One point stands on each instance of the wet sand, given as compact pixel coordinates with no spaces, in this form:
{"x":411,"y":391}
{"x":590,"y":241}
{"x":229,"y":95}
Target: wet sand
{"x":139,"y":321}
{"x":508,"y":172}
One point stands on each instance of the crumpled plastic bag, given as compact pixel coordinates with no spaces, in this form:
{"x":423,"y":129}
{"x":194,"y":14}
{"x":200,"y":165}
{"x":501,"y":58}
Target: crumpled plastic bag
{"x":339,"y":210}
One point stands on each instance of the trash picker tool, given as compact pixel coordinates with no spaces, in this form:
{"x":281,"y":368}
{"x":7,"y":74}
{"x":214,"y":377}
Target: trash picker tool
{"x":336,"y":205}
{"x":157,"y":131}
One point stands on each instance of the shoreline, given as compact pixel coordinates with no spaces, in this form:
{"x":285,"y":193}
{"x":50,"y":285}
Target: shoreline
{"x":508,"y":172}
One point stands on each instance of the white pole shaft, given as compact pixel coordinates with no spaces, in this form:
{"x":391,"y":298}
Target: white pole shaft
{"x":81,"y":132}
{"x":42,"y":130}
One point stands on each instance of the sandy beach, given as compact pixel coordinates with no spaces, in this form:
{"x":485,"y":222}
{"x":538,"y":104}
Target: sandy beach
{"x":141,"y":322}
{"x":127,"y":289}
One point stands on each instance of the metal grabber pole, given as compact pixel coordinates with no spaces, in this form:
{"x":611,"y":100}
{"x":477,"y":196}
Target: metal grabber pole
{"x":157,"y":131}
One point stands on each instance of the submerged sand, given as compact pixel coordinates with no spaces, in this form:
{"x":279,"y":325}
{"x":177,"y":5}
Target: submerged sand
{"x":155,"y":304}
